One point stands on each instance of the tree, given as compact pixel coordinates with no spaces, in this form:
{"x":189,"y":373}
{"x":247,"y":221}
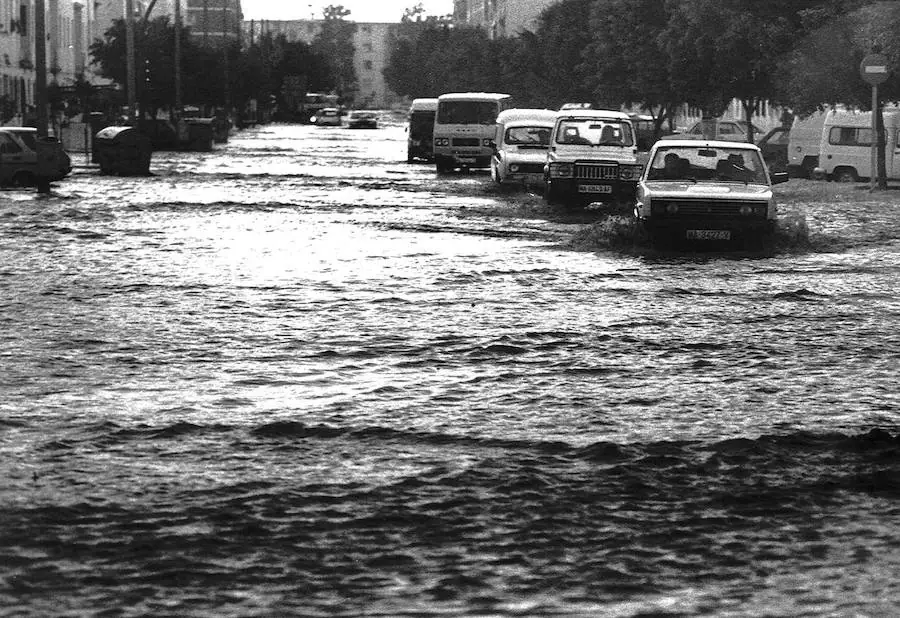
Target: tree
{"x":626,"y":63}
{"x":823,"y":70}
{"x":563,"y":34}
{"x":334,"y":43}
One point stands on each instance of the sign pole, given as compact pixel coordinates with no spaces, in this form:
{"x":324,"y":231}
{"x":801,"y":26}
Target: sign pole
{"x":874,"y":174}
{"x":874,"y":70}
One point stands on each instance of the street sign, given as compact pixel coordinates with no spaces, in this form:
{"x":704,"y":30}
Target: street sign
{"x":874,"y":69}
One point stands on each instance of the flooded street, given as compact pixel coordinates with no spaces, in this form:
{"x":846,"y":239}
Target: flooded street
{"x":300,"y":376}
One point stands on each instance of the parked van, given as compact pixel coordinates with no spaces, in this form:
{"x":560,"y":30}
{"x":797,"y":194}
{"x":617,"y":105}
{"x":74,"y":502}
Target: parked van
{"x":845,"y":152}
{"x":464,"y":129}
{"x":803,"y":145}
{"x":521,"y":145}
{"x":420,"y":131}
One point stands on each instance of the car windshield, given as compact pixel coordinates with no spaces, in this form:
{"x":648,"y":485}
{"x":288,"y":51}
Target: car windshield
{"x":528,"y":136}
{"x":699,"y":163}
{"x":594,"y":132}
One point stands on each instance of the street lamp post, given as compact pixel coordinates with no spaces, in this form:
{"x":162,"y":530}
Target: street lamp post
{"x":40,"y":96}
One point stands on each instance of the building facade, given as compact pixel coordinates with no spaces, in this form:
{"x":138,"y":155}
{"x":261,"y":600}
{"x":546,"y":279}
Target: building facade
{"x":372,"y":44}
{"x":501,"y":18}
{"x":71,"y":27}
{"x":214,"y":23}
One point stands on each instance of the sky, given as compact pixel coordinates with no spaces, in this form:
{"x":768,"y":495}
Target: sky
{"x":360,"y":10}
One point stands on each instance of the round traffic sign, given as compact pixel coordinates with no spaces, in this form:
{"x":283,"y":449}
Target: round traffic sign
{"x":874,"y":69}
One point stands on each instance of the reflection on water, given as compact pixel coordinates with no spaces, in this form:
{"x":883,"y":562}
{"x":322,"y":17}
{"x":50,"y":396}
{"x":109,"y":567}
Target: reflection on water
{"x":298,"y":375}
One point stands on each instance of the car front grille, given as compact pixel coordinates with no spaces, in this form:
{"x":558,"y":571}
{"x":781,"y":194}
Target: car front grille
{"x":596,"y":172}
{"x":466,"y":141}
{"x":708,"y":208}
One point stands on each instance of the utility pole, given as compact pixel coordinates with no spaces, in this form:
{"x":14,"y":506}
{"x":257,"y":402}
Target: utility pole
{"x":40,"y":97}
{"x":131,"y":80}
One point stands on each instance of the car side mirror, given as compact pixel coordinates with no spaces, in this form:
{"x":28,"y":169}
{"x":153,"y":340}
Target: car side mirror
{"x":776,"y":178}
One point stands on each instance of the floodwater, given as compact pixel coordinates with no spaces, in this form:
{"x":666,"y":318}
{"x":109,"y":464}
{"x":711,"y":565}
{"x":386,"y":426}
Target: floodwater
{"x":299,"y":376}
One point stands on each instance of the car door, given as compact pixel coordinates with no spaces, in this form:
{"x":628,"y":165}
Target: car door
{"x":12,"y":157}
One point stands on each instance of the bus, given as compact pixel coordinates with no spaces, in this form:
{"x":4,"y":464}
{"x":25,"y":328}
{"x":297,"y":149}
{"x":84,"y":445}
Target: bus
{"x":464,"y":129}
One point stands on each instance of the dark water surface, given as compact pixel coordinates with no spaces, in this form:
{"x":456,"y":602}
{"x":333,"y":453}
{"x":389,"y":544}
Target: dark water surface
{"x":297,"y":376}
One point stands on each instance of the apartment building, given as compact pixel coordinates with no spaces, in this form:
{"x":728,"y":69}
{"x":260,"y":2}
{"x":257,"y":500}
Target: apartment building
{"x":500,"y":18}
{"x":214,"y":23}
{"x":372,"y":43}
{"x":71,"y":27}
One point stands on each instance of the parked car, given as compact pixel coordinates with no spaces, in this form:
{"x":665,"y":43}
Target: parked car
{"x":774,"y":148}
{"x":705,"y":191}
{"x":19,"y":157}
{"x":592,"y":158}
{"x":521,"y":145}
{"x":328,"y":117}
{"x":644,"y":130}
{"x":725,"y":130}
{"x":361,"y":119}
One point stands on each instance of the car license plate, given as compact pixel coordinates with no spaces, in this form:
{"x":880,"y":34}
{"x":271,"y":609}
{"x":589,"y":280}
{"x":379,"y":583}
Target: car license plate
{"x":534,"y":179}
{"x":708,"y":234}
{"x":466,"y":159}
{"x":595,"y":188}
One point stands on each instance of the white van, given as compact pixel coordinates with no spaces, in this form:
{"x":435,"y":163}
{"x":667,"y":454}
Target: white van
{"x":803,"y":145}
{"x":845,"y":152}
{"x":521,"y":144}
{"x":464,"y":129}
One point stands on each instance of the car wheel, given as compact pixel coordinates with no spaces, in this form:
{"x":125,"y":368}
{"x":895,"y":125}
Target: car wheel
{"x":495,"y":173}
{"x":845,"y":174}
{"x":442,"y":166}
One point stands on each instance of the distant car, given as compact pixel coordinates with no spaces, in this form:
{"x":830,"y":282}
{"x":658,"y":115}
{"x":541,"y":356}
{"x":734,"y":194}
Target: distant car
{"x":359,"y":119}
{"x":706,"y":191}
{"x":19,"y":157}
{"x":644,"y":130}
{"x":774,"y":147}
{"x":328,"y":117}
{"x":724,"y":130}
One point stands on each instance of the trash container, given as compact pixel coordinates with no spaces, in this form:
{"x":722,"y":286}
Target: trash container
{"x":123,"y":151}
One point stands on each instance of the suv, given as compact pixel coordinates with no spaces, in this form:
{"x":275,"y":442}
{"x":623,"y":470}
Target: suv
{"x":19,"y":157}
{"x":592,"y":158}
{"x":699,"y":191}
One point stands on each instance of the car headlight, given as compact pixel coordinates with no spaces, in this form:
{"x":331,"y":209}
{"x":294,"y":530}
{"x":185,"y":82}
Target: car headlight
{"x":630,"y":172}
{"x":562,"y":170}
{"x":514,"y":168}
{"x":487,"y":143}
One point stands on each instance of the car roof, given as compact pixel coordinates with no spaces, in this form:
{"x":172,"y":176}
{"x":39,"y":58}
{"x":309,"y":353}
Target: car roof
{"x":423,"y":104}
{"x":701,"y":143}
{"x":19,"y":129}
{"x":592,"y":113}
{"x":473,"y":96}
{"x":517,"y":114}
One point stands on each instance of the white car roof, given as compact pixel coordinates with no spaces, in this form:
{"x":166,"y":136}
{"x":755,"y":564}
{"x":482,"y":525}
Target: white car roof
{"x":700,"y":143}
{"x":519,"y":115}
{"x":423,"y":105}
{"x":473,"y":96}
{"x":592,"y":113}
